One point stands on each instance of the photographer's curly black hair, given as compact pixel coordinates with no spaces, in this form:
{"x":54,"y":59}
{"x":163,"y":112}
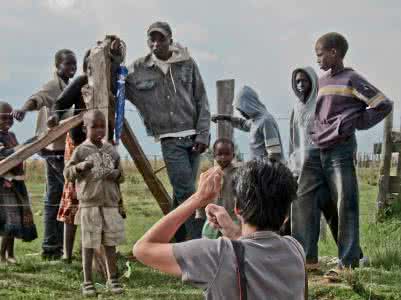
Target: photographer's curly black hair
{"x":263,"y":191}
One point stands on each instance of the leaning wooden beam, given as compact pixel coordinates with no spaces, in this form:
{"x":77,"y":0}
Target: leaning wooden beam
{"x":142,"y":163}
{"x":41,"y":142}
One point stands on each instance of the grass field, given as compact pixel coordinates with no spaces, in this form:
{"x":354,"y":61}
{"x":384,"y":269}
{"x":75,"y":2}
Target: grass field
{"x":33,"y":278}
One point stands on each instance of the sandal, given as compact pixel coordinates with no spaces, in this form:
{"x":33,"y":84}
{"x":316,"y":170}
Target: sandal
{"x":333,"y":275}
{"x":114,"y":286}
{"x":88,"y":289}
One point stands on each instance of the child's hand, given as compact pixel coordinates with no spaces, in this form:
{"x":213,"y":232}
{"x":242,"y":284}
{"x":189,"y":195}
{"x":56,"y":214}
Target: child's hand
{"x":219,"y":218}
{"x":116,"y":47}
{"x":52,"y":121}
{"x":220,"y":117}
{"x":113,"y":175}
{"x":85,"y":165}
{"x":18,"y":114}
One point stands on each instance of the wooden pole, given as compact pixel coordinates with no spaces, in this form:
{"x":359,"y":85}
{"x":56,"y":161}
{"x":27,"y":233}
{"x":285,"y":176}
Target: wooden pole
{"x":225,"y":97}
{"x":385,"y":165}
{"x":143,"y":165}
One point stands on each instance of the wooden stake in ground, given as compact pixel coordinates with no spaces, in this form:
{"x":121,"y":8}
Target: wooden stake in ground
{"x":225,"y":97}
{"x":385,"y":165}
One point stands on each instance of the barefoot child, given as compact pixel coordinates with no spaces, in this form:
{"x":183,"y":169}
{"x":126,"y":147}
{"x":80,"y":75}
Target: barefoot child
{"x":16,"y":219}
{"x":223,"y":151}
{"x":95,"y":168}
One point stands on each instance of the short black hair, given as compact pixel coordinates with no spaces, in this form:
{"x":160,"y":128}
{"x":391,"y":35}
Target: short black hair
{"x":263,"y":190}
{"x":58,"y":57}
{"x":223,"y":141}
{"x":334,"y":40}
{"x":92,"y":115}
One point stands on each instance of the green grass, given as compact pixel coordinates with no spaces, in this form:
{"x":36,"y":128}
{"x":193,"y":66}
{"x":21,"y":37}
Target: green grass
{"x":33,"y":278}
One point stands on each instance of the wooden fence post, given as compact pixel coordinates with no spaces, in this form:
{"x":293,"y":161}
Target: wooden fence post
{"x":225,"y":97}
{"x":385,"y":165}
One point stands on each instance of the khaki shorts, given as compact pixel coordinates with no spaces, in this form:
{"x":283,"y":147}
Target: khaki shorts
{"x":100,"y":226}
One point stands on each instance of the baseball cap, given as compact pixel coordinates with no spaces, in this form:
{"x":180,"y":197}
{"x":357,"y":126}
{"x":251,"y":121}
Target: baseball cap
{"x":162,"y":27}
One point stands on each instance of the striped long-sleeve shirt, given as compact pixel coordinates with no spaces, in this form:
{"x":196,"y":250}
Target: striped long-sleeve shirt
{"x":346,"y":101}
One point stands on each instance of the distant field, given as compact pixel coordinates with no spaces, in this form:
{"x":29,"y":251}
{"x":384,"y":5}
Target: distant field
{"x":34,"y":279}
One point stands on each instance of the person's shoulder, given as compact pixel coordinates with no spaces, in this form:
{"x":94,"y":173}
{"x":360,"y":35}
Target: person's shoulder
{"x":51,"y":84}
{"x":141,"y":61}
{"x":355,"y":76}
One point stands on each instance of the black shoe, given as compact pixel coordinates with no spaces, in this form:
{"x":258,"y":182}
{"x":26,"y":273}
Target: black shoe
{"x":52,"y":255}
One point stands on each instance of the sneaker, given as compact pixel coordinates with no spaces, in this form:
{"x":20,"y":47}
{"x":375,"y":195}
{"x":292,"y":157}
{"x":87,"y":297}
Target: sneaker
{"x":114,"y":286}
{"x":88,"y":289}
{"x":52,"y":255}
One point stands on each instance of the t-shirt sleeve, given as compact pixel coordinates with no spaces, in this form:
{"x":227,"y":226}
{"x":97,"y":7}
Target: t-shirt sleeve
{"x":366,"y":92}
{"x":199,"y":260}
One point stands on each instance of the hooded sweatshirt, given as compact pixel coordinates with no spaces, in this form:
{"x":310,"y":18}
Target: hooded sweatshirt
{"x":265,"y":137}
{"x":94,"y":186}
{"x":301,"y":121}
{"x":170,"y":95}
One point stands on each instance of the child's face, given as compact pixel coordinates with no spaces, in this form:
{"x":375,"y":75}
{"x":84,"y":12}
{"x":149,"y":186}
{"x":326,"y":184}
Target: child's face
{"x":223,"y":154}
{"x":303,"y":83}
{"x":68,"y":66}
{"x":96,"y":130}
{"x":6,"y":119}
{"x":326,"y":58}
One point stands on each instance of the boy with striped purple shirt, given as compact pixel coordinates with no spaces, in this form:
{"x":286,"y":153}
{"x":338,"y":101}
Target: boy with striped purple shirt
{"x":346,"y":102}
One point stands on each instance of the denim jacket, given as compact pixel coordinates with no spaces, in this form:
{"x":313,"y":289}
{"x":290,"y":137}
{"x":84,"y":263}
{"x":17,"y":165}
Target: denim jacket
{"x":171,"y":102}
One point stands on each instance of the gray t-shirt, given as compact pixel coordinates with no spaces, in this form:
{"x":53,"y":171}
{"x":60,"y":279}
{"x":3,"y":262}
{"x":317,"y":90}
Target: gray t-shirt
{"x":274,"y":267}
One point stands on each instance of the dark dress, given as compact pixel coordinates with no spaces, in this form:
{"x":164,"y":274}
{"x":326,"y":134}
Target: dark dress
{"x":16,"y":219}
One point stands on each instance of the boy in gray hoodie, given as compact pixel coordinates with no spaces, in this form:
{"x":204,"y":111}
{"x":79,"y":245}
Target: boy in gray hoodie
{"x":265,"y":140}
{"x":96,"y":170}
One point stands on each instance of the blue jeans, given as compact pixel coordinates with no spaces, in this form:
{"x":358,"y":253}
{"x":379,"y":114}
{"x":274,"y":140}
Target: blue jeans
{"x":182,"y":169}
{"x":53,"y":229}
{"x":328,"y":175}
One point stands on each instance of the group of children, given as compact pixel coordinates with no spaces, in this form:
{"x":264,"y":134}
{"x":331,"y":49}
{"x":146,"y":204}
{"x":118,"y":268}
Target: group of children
{"x":93,"y":174}
{"x":322,"y":151}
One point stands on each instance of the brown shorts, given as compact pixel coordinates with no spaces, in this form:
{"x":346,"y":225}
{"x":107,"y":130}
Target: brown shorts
{"x":100,"y":226}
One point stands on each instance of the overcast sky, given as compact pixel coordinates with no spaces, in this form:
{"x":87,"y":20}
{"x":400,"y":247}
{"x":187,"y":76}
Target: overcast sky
{"x":256,"y":42}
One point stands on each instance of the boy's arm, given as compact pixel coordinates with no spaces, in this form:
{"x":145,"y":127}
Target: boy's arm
{"x":379,"y":105}
{"x":272,"y":140}
{"x":76,"y":166}
{"x":236,"y":122}
{"x":70,"y":95}
{"x":154,"y":249}
{"x":44,"y":97}
{"x":202,"y":107}
{"x":291,"y":144}
{"x":4,"y":152}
